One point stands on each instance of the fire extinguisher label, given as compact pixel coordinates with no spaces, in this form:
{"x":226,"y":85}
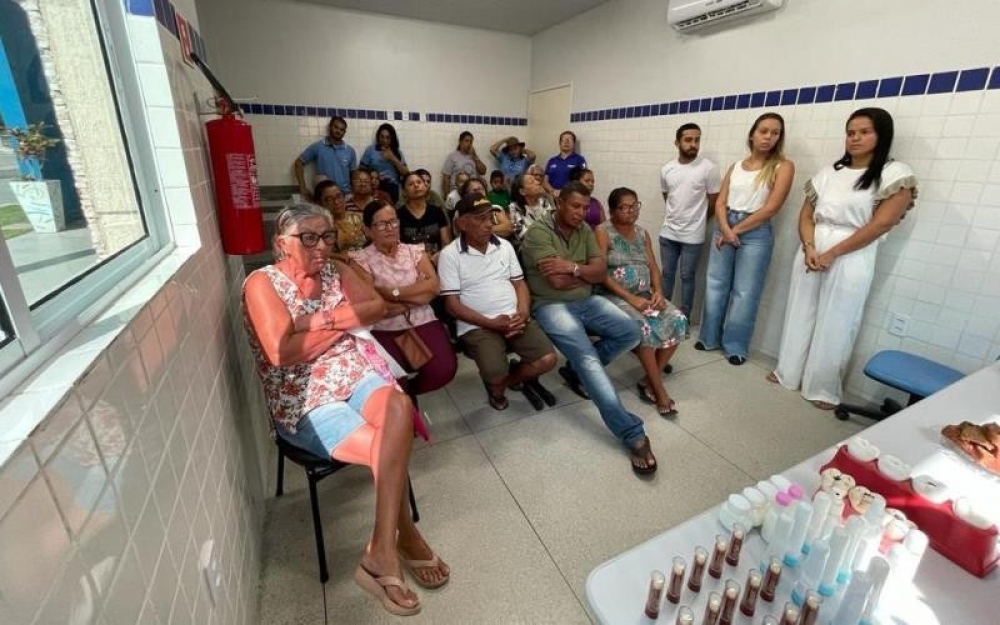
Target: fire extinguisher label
{"x":243,"y":180}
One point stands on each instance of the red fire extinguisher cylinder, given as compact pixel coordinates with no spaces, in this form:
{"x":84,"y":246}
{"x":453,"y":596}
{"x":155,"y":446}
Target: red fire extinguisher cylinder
{"x":237,"y":194}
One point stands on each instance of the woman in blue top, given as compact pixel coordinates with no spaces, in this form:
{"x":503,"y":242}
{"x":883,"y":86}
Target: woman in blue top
{"x":558,"y":168}
{"x":385,"y":159}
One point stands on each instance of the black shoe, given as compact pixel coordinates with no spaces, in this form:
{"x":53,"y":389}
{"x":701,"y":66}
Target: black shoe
{"x":573,"y":381}
{"x":668,"y":369}
{"x":698,"y":345}
{"x":737,"y":360}
{"x":541,"y":391}
{"x":532,"y":396}
{"x":514,"y":364}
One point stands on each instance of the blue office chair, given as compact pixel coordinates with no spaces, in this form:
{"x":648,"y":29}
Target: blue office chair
{"x":909,"y":373}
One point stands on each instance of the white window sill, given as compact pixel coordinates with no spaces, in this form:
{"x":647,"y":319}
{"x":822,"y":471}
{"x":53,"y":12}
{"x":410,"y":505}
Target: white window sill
{"x":22,"y":411}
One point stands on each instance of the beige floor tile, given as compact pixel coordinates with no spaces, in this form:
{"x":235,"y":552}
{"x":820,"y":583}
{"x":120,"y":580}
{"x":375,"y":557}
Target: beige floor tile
{"x":573,"y":482}
{"x":758,"y":426}
{"x":500,"y":570}
{"x":443,"y":416}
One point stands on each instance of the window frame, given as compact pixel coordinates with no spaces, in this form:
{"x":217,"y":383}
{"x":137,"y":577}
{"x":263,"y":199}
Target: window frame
{"x":40,"y":333}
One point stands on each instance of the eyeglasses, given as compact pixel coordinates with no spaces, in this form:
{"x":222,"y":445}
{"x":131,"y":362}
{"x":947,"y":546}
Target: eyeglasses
{"x":631,"y":208}
{"x":388,"y":224}
{"x":310,"y":240}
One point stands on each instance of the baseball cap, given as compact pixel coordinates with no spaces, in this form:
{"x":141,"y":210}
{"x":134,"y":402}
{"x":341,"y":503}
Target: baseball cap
{"x":474,"y":204}
{"x":512,"y":141}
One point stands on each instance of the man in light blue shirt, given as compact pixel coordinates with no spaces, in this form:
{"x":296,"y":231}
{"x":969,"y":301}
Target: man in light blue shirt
{"x":334,"y":159}
{"x":514,"y":158}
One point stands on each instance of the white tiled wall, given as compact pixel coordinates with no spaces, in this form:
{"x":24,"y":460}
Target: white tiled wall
{"x":279,"y":141}
{"x":940,"y":266}
{"x":157,"y":448}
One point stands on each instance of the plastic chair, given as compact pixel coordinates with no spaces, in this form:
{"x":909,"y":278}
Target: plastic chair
{"x":317,"y":468}
{"x":912,"y":374}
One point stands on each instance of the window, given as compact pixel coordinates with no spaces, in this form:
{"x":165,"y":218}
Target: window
{"x":75,"y":225}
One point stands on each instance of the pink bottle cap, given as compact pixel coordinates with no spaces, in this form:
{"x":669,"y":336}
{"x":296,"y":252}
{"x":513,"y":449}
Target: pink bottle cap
{"x":783,"y":499}
{"x":796,"y":492}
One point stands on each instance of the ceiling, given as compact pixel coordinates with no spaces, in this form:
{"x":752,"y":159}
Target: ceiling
{"x":524,"y":17}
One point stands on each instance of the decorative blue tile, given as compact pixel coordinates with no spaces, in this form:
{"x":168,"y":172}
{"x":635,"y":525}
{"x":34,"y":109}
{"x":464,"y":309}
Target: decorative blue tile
{"x":706,"y":104}
{"x":807,"y":95}
{"x":371,"y":114}
{"x":717,"y":103}
{"x":140,"y":7}
{"x":256,"y":109}
{"x":267,"y":109}
{"x":866,"y":90}
{"x":824,"y":93}
{"x":593,"y":116}
{"x":845,"y":91}
{"x":647,"y":110}
{"x":397,"y":116}
{"x":383,"y":115}
{"x":683,"y":107}
{"x":675,"y":108}
{"x":523,"y":121}
{"x":943,"y":82}
{"x":757,"y":99}
{"x":916,"y":84}
{"x":890,"y":87}
{"x":973,"y":79}
{"x":789,"y":96}
{"x":729,"y":103}
{"x":695,"y":106}
{"x":773,"y":98}
{"x":601,"y":115}
{"x":414,"y":116}
{"x":994,"y":79}
{"x":743,"y":101}
{"x":311,"y":111}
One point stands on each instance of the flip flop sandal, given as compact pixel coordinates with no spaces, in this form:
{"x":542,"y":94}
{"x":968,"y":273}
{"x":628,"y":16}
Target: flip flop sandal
{"x":669,"y":410}
{"x":645,"y":394}
{"x":375,"y":586}
{"x":772,"y":378}
{"x":822,"y":405}
{"x":497,"y":402}
{"x":433,"y":563}
{"x":643,"y":452}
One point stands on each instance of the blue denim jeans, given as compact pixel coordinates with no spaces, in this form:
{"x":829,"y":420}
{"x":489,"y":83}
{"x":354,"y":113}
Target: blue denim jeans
{"x":568,"y":325}
{"x":732,"y":292}
{"x":687,"y":254}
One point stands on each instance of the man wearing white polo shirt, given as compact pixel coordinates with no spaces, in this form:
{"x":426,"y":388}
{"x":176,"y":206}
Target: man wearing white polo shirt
{"x":483,"y":288}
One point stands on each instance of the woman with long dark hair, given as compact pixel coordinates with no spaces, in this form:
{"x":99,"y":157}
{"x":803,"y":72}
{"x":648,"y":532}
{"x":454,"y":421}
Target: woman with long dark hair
{"x":753,"y":190}
{"x":386,"y":162}
{"x":850,"y":206}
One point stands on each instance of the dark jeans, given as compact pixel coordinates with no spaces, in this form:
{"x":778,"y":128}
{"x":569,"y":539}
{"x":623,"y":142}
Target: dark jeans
{"x":687,"y":253}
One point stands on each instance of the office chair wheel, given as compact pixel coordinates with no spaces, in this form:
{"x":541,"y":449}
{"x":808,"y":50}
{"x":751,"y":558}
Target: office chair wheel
{"x":891,"y":406}
{"x":841,"y":413}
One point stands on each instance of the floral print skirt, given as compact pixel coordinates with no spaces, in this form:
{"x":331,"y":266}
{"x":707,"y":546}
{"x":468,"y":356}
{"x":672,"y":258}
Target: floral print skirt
{"x":665,"y":329}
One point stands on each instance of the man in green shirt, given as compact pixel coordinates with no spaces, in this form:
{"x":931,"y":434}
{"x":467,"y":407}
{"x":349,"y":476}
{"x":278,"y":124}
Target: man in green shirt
{"x":561,"y":264}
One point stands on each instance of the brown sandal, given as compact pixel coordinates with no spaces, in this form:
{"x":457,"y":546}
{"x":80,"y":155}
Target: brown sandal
{"x":772,"y":377}
{"x":376,"y":586}
{"x":497,"y":402}
{"x":643,"y":452}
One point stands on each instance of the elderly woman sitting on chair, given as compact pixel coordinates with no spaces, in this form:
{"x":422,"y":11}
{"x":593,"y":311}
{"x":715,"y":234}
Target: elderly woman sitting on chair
{"x":330,"y":391}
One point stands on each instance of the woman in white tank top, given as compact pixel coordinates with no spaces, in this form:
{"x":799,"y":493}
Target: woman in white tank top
{"x":753,"y":191}
{"x":850,"y":206}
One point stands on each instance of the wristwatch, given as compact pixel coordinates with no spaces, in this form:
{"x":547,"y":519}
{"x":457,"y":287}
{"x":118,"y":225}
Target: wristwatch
{"x":395,"y":293}
{"x":576,"y":270}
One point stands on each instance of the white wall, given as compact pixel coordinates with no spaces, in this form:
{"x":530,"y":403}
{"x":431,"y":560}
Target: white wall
{"x":941,"y":266}
{"x":285,"y":52}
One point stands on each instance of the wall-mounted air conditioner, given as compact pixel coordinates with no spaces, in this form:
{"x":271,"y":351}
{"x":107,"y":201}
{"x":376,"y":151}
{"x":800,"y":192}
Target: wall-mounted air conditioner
{"x":688,"y":15}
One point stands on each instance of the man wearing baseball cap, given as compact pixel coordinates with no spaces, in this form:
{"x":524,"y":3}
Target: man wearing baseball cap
{"x":513,"y":157}
{"x":483,"y":288}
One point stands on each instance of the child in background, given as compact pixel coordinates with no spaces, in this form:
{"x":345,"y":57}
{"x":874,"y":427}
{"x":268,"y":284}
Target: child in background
{"x":498,"y":194}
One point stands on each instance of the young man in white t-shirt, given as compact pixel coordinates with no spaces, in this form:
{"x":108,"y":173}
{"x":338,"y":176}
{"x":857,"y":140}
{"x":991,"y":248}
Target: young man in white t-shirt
{"x":690,"y":186}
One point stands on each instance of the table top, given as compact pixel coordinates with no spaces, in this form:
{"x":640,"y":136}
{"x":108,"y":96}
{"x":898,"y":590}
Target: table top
{"x":942,"y":592}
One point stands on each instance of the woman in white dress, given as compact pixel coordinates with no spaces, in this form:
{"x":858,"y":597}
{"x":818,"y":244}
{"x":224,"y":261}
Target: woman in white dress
{"x":850,"y":206}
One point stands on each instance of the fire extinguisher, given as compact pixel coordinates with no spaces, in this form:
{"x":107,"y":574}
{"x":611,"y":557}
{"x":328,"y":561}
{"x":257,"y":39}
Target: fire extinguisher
{"x":234,"y":169}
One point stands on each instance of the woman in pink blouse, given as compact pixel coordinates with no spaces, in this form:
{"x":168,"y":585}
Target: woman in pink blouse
{"x":404,"y":276}
{"x":330,"y":392}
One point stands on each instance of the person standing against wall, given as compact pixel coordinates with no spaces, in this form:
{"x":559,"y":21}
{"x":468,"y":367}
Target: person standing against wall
{"x":558,"y":168}
{"x":752,"y":192}
{"x":690,"y":186}
{"x":463,"y":159}
{"x":850,"y":206}
{"x":514,"y":158}
{"x":334,"y":159}
{"x":385,"y":160}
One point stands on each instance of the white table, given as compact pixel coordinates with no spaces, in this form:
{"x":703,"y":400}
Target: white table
{"x":942,"y":592}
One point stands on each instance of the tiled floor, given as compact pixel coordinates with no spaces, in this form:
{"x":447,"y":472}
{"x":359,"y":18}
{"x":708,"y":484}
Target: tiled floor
{"x":523,"y":504}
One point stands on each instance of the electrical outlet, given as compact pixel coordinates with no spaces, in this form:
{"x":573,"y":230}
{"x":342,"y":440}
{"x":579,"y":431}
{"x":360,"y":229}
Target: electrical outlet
{"x":209,"y":561}
{"x":899,"y":324}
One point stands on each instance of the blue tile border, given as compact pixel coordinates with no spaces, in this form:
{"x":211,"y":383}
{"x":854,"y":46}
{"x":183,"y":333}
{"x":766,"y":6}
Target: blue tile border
{"x":306,"y":110}
{"x":953,"y":81}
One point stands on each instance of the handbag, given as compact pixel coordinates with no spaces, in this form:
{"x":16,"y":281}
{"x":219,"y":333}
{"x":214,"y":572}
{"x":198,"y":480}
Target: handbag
{"x":415,"y":352}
